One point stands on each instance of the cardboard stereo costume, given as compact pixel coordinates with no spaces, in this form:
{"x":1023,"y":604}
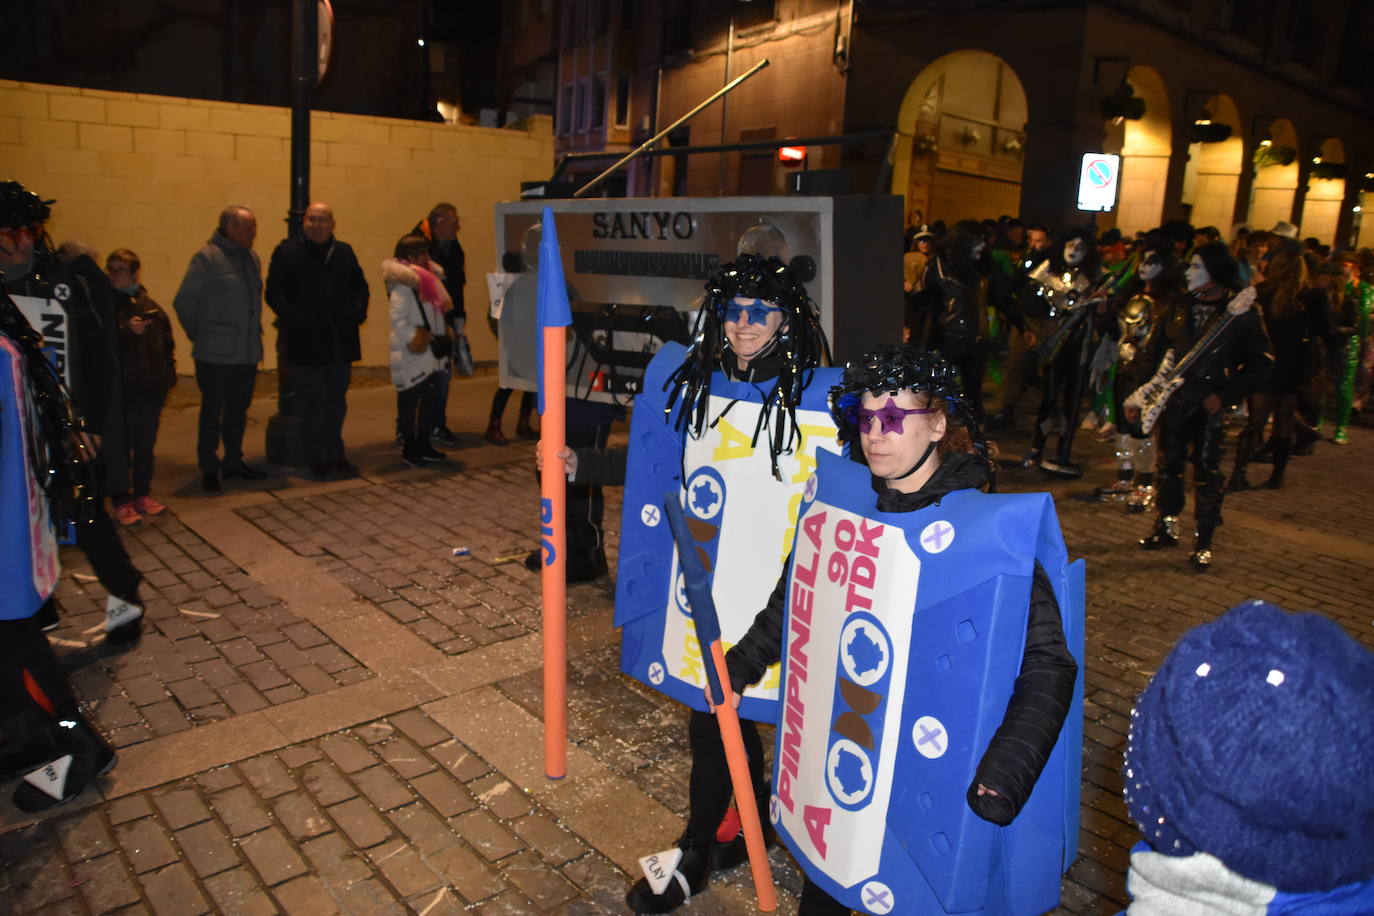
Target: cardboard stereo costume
{"x":740,"y":516}
{"x":904,"y":636}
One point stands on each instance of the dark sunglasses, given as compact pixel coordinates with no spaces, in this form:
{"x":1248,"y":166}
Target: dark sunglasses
{"x":756,"y":312}
{"x":892,"y":417}
{"x":20,"y":235}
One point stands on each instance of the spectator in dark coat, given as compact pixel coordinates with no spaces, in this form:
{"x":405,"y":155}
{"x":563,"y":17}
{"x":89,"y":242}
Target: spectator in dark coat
{"x":219,"y":305}
{"x":148,"y":371}
{"x":319,"y":294}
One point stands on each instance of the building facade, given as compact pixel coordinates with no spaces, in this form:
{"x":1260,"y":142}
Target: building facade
{"x":1224,"y":113}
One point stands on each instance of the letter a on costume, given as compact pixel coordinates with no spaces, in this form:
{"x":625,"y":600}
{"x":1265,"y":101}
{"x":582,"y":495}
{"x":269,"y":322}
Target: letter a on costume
{"x":733,"y":443}
{"x":816,"y":820}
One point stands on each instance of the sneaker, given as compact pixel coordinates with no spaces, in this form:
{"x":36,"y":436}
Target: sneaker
{"x":127,"y":514}
{"x":1340,"y":438}
{"x":1062,"y":469}
{"x":149,"y":506}
{"x":432,"y":454}
{"x":444,"y":436}
{"x":412,"y":460}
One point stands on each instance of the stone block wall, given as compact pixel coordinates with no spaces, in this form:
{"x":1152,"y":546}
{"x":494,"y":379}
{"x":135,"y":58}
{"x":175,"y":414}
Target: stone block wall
{"x":152,"y":173}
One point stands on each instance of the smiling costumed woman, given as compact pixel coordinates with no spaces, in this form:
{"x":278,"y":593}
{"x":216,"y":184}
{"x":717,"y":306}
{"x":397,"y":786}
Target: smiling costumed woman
{"x":927,"y":672}
{"x":733,"y":426}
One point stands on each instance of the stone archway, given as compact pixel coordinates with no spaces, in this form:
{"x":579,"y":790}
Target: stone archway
{"x":1212,"y":177}
{"x":1321,"y":209}
{"x":1147,"y":145}
{"x":961,"y":132}
{"x":1276,"y":176}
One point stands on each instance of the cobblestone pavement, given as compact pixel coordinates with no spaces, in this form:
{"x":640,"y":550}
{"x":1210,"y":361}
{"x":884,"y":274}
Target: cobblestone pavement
{"x":330,"y":713}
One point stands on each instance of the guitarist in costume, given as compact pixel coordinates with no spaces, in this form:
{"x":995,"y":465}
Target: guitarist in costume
{"x":1157,"y":282}
{"x":1222,"y":369}
{"x":928,"y":755}
{"x":1072,"y":290}
{"x":734,"y":424}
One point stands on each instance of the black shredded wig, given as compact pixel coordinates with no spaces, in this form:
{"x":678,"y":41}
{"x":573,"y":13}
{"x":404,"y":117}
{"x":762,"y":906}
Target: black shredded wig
{"x":21,"y":207}
{"x":799,"y":345}
{"x":898,"y":367}
{"x":67,"y":469}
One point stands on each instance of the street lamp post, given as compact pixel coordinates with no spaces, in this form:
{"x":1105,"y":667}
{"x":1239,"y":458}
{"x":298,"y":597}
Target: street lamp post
{"x":284,"y":446}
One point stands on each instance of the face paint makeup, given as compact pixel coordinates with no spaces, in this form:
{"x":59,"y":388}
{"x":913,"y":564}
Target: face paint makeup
{"x":1150,"y":268}
{"x":1074,"y":252}
{"x":1197,"y":275}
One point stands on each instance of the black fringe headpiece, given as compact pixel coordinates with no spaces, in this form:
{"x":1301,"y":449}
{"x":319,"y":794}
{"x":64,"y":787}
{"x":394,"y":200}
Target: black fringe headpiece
{"x":800,"y":346}
{"x":898,"y":367}
{"x":68,"y":469}
{"x":21,"y":207}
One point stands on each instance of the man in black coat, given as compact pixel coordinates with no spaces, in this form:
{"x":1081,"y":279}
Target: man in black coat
{"x":319,"y":294}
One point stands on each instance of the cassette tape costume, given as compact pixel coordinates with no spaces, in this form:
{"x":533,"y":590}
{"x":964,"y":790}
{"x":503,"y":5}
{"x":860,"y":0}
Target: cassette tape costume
{"x":734,"y":425}
{"x":927,"y":760}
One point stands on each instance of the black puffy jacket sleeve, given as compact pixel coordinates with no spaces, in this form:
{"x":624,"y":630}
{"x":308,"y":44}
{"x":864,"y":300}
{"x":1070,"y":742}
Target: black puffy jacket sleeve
{"x":601,"y":467}
{"x":761,"y":646}
{"x":1035,"y":713}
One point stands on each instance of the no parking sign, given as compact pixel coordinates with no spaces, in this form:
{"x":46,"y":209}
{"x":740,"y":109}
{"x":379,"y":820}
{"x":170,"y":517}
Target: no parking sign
{"x":1097,"y":181}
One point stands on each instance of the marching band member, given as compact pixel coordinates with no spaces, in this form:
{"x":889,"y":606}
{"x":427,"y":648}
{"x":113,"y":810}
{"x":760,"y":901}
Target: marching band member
{"x":1073,"y":291}
{"x":1220,"y":338}
{"x":928,"y":677}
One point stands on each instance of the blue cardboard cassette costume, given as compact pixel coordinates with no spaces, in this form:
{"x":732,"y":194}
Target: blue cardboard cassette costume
{"x":739,"y":452}
{"x":892,"y":700}
{"x":928,"y":631}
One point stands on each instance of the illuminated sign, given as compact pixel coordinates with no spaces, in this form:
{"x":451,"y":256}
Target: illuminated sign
{"x":1097,"y":181}
{"x":791,"y":155}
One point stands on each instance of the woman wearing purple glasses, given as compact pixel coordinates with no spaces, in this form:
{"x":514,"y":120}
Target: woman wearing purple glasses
{"x":927,"y":673}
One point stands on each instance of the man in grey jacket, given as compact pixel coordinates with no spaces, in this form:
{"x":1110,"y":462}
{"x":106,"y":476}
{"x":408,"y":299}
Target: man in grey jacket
{"x":219,"y":305}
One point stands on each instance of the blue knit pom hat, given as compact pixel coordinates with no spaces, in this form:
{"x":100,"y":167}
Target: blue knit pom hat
{"x":1255,"y":743}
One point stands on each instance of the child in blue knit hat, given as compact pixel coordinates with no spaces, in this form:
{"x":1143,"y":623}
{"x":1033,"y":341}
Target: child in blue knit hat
{"x":1249,"y":768}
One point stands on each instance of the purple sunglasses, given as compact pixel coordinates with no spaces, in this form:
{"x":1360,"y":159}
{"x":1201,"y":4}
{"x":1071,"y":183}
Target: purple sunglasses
{"x":892,"y":417}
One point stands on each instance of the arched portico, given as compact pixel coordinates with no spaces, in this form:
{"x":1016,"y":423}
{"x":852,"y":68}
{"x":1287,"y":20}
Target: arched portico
{"x":961,"y":132}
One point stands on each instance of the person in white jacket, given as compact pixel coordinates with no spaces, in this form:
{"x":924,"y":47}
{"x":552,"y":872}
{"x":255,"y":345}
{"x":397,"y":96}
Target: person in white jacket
{"x":419,"y":343}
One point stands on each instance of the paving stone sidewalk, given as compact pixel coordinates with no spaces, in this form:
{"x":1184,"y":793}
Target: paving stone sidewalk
{"x":330,"y":713}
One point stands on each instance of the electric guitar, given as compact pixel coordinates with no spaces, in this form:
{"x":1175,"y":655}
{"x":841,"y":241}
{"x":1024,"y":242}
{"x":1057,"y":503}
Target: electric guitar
{"x":1151,"y":397}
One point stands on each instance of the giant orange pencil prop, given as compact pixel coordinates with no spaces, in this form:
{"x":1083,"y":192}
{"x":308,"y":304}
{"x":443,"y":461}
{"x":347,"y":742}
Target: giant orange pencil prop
{"x":698,"y":588}
{"x":554,"y":316}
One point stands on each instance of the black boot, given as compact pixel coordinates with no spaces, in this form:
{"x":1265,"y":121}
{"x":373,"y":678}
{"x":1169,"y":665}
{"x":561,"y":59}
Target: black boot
{"x":694,"y":871}
{"x":410,"y":452}
{"x":26,"y":741}
{"x":1245,"y":447}
{"x":85,"y":758}
{"x":730,"y":849}
{"x":1165,"y":534}
{"x":1202,"y":548}
{"x":1283,"y":449}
